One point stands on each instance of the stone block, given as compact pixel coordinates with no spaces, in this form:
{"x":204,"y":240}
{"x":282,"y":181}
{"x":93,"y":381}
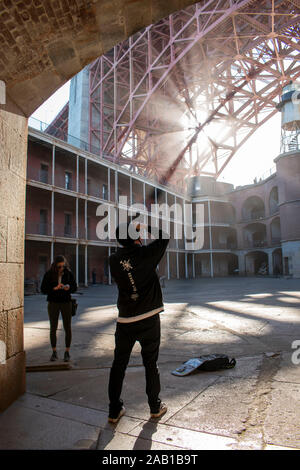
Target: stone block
{"x":12,"y":190}
{"x":3,"y":238}
{"x":3,"y":327}
{"x":11,"y":286}
{"x":15,"y":240}
{"x":12,"y":380}
{"x":13,"y":134}
{"x":15,"y":343}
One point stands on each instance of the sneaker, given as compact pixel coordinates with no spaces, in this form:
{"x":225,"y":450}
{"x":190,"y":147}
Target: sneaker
{"x":67,"y":356}
{"x":113,"y":418}
{"x":54,"y":356}
{"x":161,"y":411}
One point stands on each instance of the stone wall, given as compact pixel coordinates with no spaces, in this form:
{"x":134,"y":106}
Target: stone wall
{"x":13,"y":152}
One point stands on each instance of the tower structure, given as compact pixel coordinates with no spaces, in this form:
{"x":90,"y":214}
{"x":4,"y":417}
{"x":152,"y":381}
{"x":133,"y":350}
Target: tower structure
{"x":288,"y":170}
{"x":290,"y":117}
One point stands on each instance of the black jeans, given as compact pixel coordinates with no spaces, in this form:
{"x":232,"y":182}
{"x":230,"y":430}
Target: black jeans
{"x":147,"y":332}
{"x":66,"y":312}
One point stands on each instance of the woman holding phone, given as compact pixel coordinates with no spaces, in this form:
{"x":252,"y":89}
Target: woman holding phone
{"x":58,"y":284}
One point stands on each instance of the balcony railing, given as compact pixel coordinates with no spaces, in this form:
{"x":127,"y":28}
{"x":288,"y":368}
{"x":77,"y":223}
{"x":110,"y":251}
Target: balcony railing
{"x":37,"y":228}
{"x":80,"y":144}
{"x":256,"y":243}
{"x":254,"y":217}
{"x":64,"y":231}
{"x":37,"y":175}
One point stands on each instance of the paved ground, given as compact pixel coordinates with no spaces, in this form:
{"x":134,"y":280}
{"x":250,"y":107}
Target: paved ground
{"x":254,"y":406}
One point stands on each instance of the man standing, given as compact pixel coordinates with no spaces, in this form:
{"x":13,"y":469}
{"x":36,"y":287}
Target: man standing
{"x":139,"y":303}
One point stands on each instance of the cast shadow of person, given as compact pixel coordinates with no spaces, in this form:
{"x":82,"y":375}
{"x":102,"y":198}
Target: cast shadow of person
{"x":144,"y":439}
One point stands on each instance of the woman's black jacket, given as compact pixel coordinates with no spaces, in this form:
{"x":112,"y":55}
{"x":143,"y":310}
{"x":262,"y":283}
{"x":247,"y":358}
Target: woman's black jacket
{"x":49,"y":282}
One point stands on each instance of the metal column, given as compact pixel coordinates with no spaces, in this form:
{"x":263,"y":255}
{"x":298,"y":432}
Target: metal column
{"x":85,"y":175}
{"x":76,"y":215}
{"x":85,"y":266}
{"x":194,"y":273}
{"x":52,"y":252}
{"x":130,"y":191}
{"x":116,"y":187}
{"x":108,"y":184}
{"x":168,"y":264}
{"x":109,"y":273}
{"x":52,"y":213}
{"x":77,"y":264}
{"x":186,"y":266}
{"x":53,"y":165}
{"x":210,"y":242}
{"x":52,"y":202}
{"x":77,"y":174}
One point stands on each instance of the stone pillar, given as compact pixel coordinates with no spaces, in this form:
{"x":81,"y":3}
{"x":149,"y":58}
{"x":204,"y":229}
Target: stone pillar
{"x":270,"y":262}
{"x":13,"y":157}
{"x":242,"y":264}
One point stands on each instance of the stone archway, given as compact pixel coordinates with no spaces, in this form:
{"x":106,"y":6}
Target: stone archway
{"x":253,"y":209}
{"x":48,"y":42}
{"x":42,"y":44}
{"x":273,"y":200}
{"x":255,"y":235}
{"x":233,"y":264}
{"x":257,"y":263}
{"x":277,"y":262}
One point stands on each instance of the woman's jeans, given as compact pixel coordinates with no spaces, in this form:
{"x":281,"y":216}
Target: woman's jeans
{"x":147,"y":332}
{"x":66,"y":312}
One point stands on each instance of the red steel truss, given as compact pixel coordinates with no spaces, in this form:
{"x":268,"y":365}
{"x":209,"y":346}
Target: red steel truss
{"x":59,"y":125}
{"x":180,"y":97}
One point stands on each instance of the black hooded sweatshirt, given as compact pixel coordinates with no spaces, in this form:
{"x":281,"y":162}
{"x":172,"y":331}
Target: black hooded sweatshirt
{"x":134,"y":270}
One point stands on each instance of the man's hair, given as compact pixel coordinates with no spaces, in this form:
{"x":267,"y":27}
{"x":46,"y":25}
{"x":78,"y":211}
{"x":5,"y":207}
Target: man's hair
{"x":123,"y":235}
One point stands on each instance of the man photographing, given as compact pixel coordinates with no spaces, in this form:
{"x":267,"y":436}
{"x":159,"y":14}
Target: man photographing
{"x":133,"y":268}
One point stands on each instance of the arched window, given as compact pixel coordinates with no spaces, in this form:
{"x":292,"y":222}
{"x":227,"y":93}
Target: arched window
{"x":273,"y":200}
{"x":253,"y":208}
{"x":255,"y":235}
{"x":275,"y":231}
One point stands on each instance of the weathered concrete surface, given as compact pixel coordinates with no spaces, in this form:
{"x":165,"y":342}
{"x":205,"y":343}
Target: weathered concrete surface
{"x":13,"y":153}
{"x":253,"y":406}
{"x":44,"y":43}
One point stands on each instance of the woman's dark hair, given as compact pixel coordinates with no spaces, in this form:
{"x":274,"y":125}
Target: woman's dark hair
{"x":53,"y":267}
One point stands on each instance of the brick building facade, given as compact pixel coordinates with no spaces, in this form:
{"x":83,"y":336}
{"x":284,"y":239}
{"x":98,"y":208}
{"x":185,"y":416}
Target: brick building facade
{"x":248,"y":230}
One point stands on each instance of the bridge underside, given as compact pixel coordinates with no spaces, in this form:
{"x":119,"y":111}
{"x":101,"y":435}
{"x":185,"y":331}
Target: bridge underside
{"x":180,"y":97}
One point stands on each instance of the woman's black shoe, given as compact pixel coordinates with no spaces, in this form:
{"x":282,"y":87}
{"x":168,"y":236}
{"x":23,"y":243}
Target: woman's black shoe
{"x":54,"y":356}
{"x":67,"y":356}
